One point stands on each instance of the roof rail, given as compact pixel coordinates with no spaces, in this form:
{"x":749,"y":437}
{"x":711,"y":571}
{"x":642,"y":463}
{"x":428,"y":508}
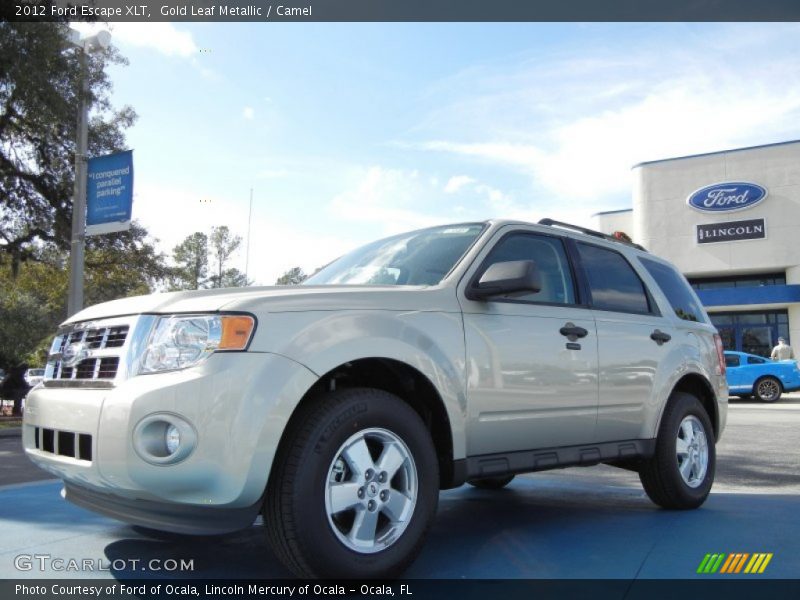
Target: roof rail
{"x":620,"y":238}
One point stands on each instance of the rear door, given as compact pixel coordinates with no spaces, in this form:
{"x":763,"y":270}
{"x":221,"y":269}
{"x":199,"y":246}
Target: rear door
{"x":529,"y":385}
{"x":633,"y":339}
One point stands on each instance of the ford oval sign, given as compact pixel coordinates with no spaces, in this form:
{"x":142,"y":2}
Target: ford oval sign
{"x":726,"y":197}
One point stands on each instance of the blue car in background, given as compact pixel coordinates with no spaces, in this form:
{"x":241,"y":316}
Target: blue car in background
{"x":751,"y":375}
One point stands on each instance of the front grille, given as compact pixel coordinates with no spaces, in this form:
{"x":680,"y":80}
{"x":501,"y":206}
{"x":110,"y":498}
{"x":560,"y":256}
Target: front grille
{"x":90,"y":368}
{"x":63,"y":443}
{"x":94,"y":339}
{"x":88,"y":354}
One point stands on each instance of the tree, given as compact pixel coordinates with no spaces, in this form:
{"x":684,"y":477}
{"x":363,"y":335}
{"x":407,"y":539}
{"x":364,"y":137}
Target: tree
{"x":39,"y":87}
{"x":223,"y":245}
{"x":293,"y":276}
{"x":234,"y":278}
{"x":191,"y":258}
{"x":33,"y":303}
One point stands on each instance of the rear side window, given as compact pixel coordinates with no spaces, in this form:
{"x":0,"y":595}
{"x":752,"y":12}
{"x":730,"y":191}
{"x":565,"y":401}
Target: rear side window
{"x":613,"y":283}
{"x":753,"y":360}
{"x":676,"y":289}
{"x":731,"y":360}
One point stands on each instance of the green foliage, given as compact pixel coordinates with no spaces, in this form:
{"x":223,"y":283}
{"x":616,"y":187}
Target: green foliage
{"x":33,"y":303}
{"x":39,"y":83}
{"x":123,"y":264}
{"x":191,"y":260}
{"x":26,"y":324}
{"x":293,"y":276}
{"x":193,"y":255}
{"x":234,"y":278}
{"x":223,"y":245}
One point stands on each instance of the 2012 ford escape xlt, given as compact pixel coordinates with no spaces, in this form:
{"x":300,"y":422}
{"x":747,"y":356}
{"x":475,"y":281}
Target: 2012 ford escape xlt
{"x":339,"y":408}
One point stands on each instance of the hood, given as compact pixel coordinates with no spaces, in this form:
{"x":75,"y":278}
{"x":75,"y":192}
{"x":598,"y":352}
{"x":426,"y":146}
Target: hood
{"x":278,"y":299}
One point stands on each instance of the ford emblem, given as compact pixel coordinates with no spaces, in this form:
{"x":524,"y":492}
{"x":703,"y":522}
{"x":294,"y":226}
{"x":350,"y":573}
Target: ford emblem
{"x":73,"y":354}
{"x":727,"y":197}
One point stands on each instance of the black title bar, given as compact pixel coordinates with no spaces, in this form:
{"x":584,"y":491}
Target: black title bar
{"x":400,"y":10}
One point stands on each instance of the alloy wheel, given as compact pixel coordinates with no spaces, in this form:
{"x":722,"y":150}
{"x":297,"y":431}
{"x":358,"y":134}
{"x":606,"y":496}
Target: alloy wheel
{"x":371,"y":490}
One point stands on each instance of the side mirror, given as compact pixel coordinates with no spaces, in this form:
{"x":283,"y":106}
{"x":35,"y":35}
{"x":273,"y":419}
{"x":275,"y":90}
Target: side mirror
{"x":506,"y":278}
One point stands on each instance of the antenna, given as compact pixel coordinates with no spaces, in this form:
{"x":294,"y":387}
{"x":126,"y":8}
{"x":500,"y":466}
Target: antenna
{"x":247,"y":252}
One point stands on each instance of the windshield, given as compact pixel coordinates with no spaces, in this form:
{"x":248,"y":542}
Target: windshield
{"x":421,"y":257}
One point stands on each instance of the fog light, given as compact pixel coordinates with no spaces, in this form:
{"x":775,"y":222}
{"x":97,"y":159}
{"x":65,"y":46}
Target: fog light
{"x":164,"y":438}
{"x":172,"y":439}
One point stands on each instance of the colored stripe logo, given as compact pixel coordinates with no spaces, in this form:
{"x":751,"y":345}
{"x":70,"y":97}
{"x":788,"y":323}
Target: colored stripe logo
{"x":738,"y":562}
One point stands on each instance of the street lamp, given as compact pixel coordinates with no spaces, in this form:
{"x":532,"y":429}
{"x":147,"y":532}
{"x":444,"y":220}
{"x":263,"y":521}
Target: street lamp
{"x":98,"y":41}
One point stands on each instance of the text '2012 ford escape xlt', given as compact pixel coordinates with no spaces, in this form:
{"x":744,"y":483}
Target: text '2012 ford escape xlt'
{"x":338,"y":409}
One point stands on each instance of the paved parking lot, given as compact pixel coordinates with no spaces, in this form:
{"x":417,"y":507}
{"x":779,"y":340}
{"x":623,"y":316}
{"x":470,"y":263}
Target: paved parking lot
{"x":574,"y":523}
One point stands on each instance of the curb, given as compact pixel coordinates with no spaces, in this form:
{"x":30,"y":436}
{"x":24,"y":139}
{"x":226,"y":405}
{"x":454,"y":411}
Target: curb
{"x":11,"y":432}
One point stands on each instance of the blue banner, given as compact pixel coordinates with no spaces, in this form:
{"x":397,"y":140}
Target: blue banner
{"x":109,"y":193}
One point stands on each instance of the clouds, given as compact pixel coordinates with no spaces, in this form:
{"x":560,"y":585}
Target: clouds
{"x":346,"y":139}
{"x":173,"y":212}
{"x":392,"y":200}
{"x":456,"y":183}
{"x":577,"y":123}
{"x":164,"y":38}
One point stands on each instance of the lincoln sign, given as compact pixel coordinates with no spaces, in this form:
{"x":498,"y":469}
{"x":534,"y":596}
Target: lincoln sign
{"x":726,"y":197}
{"x":753,"y":229}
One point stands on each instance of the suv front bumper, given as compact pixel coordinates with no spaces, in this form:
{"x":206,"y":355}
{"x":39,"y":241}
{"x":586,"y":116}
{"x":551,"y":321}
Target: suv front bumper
{"x":237,"y":405}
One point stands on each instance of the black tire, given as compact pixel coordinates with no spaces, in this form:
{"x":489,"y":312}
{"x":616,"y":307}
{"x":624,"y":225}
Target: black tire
{"x":660,"y":475}
{"x":491,"y":483}
{"x":768,"y":389}
{"x":299,"y":529}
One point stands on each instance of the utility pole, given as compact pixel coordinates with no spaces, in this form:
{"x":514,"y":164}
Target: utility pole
{"x":76,"y":261}
{"x":98,"y":41}
{"x":247,"y":251}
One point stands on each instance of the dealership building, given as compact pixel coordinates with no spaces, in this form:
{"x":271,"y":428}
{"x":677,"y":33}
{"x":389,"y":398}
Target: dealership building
{"x":730,"y":221}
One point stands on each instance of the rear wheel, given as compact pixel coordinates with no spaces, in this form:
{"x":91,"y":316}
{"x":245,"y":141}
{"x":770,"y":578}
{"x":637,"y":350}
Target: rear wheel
{"x":355,"y":488}
{"x":681,"y":472}
{"x":768,"y":389}
{"x":491,"y":483}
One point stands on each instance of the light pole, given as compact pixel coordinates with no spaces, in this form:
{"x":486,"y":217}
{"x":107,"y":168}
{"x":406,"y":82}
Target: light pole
{"x":85,"y":46}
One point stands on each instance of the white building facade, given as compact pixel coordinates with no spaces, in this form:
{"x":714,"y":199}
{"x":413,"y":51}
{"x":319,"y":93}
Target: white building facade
{"x":730,"y":221}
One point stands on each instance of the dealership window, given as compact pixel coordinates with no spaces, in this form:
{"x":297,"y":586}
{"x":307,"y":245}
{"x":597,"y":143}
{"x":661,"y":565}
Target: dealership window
{"x":737,"y":281}
{"x":754,"y":332}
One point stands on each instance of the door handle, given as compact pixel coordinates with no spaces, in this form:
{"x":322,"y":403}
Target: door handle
{"x":573,"y":332}
{"x":659,"y":337}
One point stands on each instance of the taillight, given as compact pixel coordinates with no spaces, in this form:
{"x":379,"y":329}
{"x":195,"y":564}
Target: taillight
{"x":720,"y":354}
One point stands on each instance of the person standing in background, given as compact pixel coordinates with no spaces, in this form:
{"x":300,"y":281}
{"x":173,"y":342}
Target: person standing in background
{"x":14,"y":387}
{"x":782,"y":351}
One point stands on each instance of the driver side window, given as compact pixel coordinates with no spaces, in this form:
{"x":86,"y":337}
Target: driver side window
{"x":551,"y":259}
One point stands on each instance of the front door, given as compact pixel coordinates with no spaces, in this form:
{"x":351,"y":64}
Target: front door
{"x":529,"y":385}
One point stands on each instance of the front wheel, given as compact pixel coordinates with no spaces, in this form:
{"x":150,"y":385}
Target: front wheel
{"x":355,"y":487}
{"x":681,"y":472}
{"x":768,"y":389}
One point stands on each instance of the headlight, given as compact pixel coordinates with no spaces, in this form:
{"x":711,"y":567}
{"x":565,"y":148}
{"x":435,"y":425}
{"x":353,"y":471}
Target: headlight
{"x":179,"y":341}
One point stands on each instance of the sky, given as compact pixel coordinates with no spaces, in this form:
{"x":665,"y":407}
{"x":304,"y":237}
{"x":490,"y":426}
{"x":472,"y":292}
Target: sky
{"x":350,"y":132}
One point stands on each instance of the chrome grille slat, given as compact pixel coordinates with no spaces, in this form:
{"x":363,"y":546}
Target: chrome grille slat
{"x":99,"y":348}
